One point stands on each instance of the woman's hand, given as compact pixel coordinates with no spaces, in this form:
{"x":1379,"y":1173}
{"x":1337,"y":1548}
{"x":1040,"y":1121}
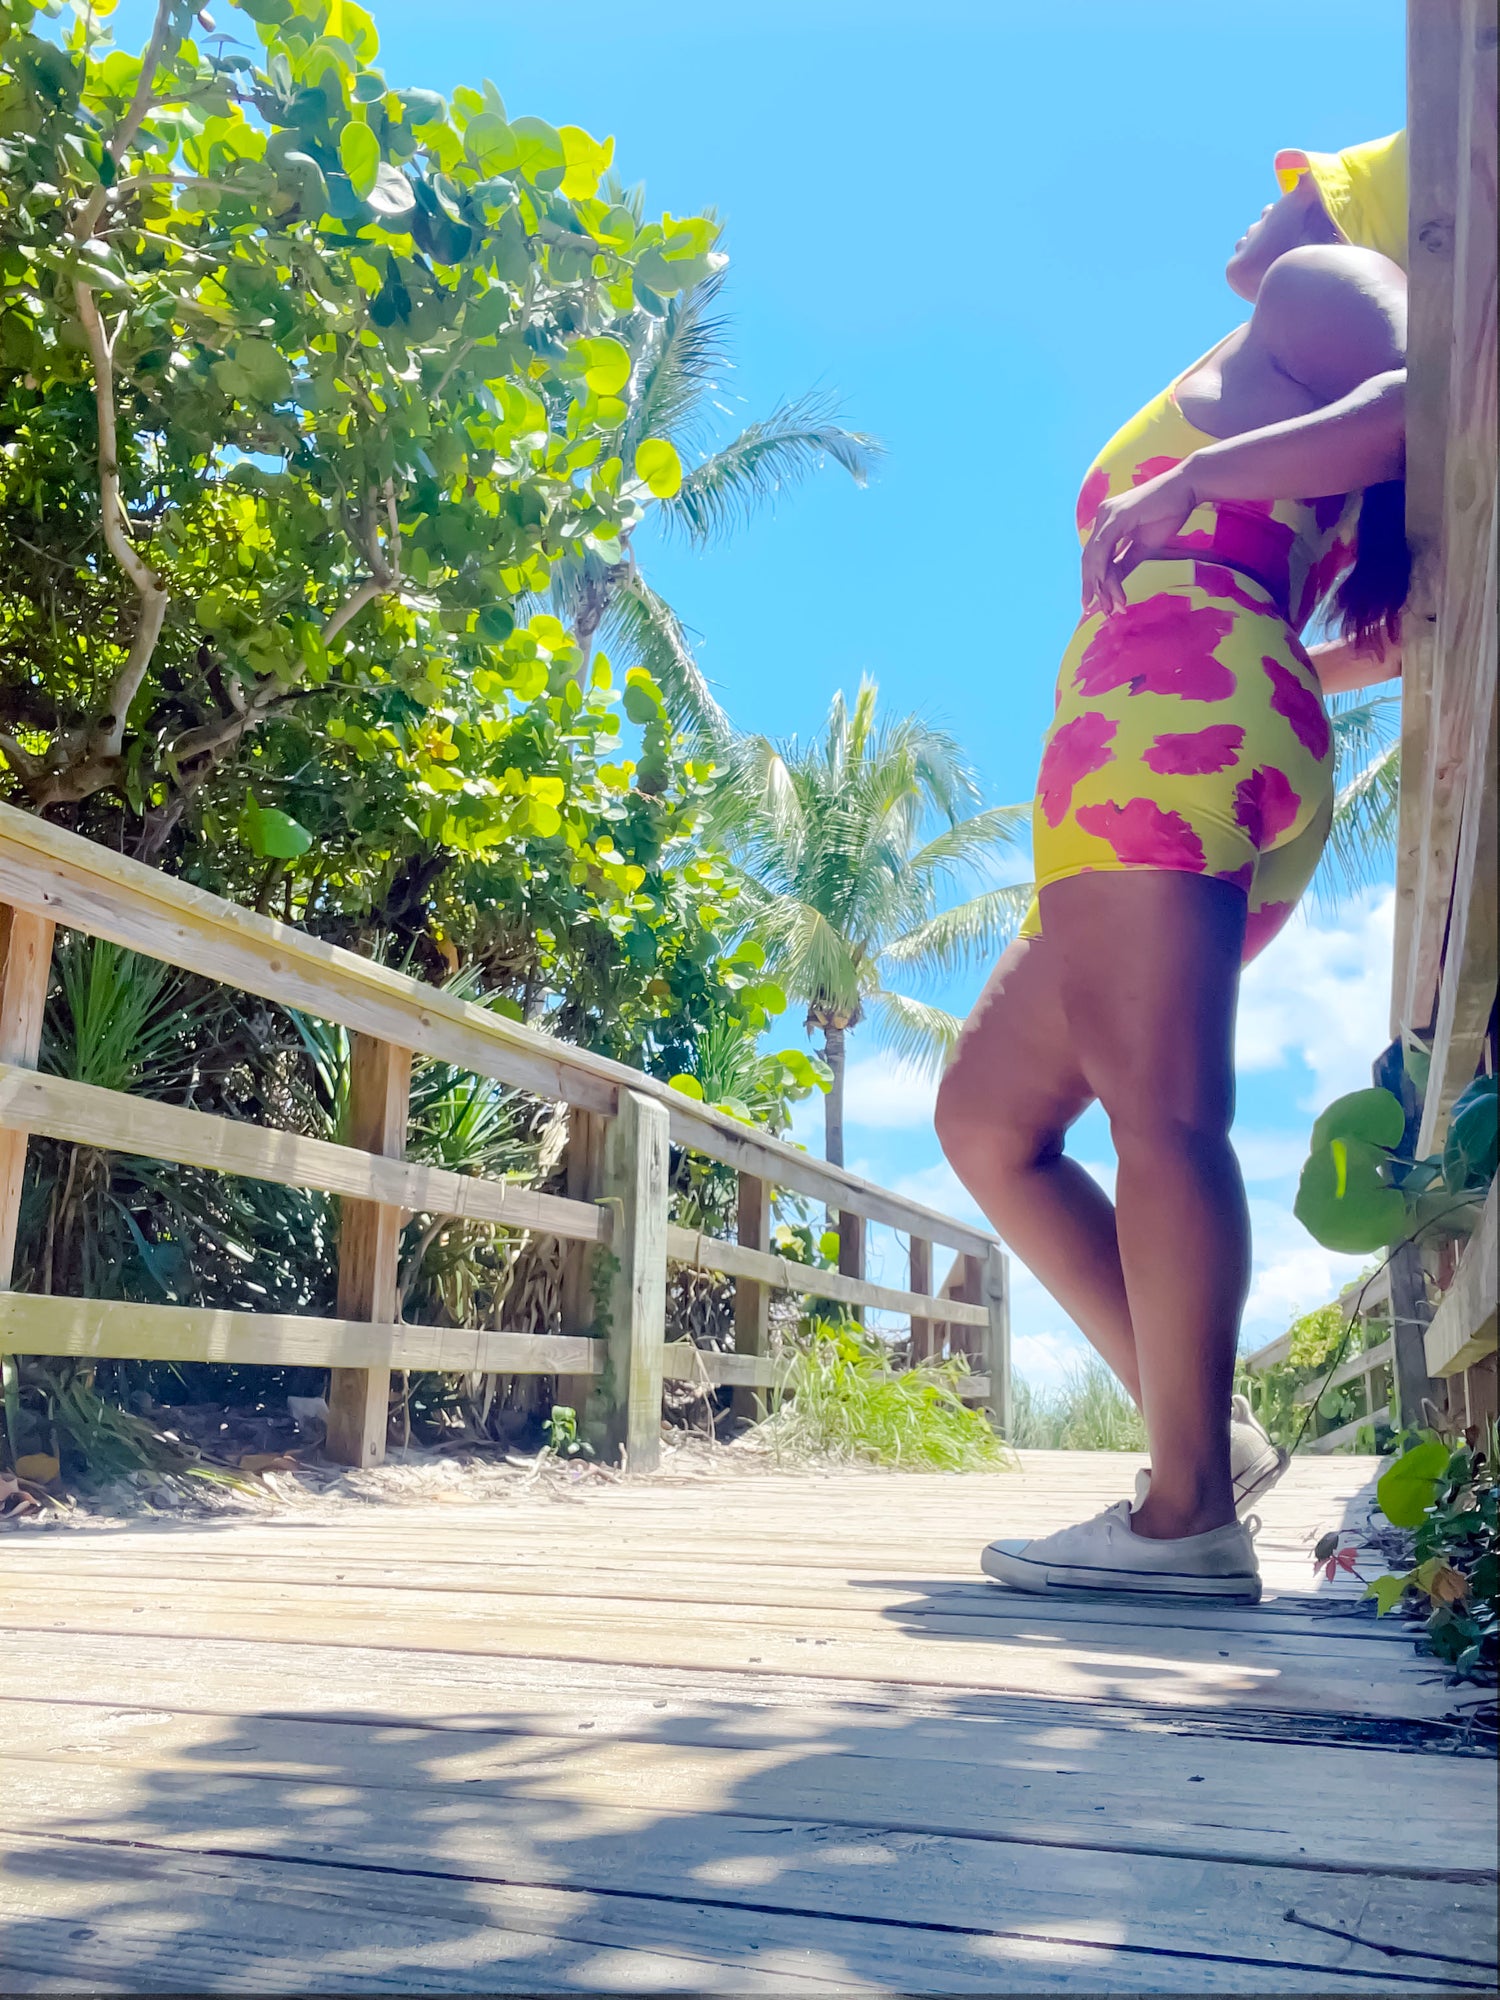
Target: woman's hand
{"x":1131,"y":529}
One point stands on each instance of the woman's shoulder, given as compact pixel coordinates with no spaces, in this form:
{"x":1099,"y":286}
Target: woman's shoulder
{"x":1331,"y":315}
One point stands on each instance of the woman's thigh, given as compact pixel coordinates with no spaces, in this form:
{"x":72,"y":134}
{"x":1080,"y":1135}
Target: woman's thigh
{"x":1014,"y":1082}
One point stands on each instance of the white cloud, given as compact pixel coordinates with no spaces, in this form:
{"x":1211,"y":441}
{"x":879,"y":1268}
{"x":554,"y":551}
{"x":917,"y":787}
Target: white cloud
{"x":882,"y":1091}
{"x":1270,"y":1156}
{"x":1321,"y":993}
{"x":1045,"y":1360}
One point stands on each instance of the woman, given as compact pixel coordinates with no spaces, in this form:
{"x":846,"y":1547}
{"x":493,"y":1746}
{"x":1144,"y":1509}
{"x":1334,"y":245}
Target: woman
{"x":1185,"y":794}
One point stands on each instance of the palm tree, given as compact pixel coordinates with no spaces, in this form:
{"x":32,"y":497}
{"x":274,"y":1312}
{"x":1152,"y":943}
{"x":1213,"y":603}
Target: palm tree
{"x":1367,"y":777}
{"x":847,"y":846}
{"x":677,"y":360}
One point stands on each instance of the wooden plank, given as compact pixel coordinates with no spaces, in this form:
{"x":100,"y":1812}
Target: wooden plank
{"x":115,"y":1329}
{"x":1463,"y":1327}
{"x":1181,"y":1670}
{"x":369,"y":1287}
{"x":1223,"y":1922}
{"x":713,"y":1253}
{"x":876,"y":1772}
{"x":584,"y":1164}
{"x":25,"y":967}
{"x":1269,"y":1356}
{"x":1358,"y":1366}
{"x":83,"y":1113}
{"x":752,"y":1296}
{"x":1466,"y":995}
{"x":58,"y":876}
{"x":172,"y":1917}
{"x":1347,"y":1433}
{"x":1433,"y":42}
{"x":625,"y":1411}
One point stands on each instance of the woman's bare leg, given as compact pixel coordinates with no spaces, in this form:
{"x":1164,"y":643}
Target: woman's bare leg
{"x":1013,"y":1088}
{"x":1147,"y":967}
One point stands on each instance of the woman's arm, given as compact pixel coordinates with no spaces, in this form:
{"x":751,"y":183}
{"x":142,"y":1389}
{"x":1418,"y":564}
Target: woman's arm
{"x":1358,"y":441}
{"x":1342,"y":667}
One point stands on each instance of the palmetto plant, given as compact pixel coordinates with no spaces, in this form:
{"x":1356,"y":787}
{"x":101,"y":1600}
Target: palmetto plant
{"x":850,"y":847}
{"x":677,"y":360}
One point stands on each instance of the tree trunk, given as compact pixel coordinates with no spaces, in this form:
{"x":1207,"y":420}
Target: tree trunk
{"x":833,"y":1103}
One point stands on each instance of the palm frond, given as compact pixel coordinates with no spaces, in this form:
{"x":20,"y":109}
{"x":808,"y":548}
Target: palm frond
{"x":806,"y":953}
{"x":972,"y":933}
{"x":778,"y":452}
{"x":642,"y":629}
{"x":1362,"y":838}
{"x":972,"y":840}
{"x":1363,"y":726}
{"x":678,"y":364}
{"x":914,"y":1031}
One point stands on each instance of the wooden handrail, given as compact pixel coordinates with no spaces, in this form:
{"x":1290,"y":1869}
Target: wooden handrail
{"x":612,"y":1354}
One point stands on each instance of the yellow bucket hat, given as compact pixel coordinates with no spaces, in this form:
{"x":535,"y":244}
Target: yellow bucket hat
{"x":1363,"y":190}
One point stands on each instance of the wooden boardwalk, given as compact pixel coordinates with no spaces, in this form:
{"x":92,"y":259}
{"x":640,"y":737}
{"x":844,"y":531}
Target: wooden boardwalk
{"x":743,"y":1734}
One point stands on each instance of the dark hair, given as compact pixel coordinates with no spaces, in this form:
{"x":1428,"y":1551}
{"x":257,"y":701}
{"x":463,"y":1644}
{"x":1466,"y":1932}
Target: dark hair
{"x":1368,"y":602}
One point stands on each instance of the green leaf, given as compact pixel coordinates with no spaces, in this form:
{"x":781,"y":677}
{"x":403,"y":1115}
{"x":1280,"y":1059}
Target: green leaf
{"x":275,"y":835}
{"x":1469,"y":1153}
{"x":359,"y":155}
{"x":658,"y":467}
{"x":642,"y":697}
{"x":392,"y":194}
{"x":606,"y":364}
{"x":1342,"y":1201}
{"x":1387,"y":1592}
{"x":539,"y":148}
{"x":1374,"y":1117}
{"x":586,"y":159}
{"x":492,"y":144}
{"x":1409,"y":1488}
{"x":688,"y":1085}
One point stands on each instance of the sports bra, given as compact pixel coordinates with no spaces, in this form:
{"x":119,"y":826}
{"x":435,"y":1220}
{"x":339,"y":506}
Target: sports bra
{"x":1299,"y":549}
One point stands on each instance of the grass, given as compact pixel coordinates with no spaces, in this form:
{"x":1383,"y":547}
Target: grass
{"x":1089,"y":1412}
{"x":841,"y":1402}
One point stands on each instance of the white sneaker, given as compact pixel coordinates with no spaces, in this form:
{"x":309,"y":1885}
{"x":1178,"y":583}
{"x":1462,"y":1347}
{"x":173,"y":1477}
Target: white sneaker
{"x":1105,"y":1555}
{"x":1255,"y":1462}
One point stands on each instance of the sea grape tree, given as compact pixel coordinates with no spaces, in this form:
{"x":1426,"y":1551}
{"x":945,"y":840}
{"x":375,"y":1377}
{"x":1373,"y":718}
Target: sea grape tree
{"x":309,"y":381}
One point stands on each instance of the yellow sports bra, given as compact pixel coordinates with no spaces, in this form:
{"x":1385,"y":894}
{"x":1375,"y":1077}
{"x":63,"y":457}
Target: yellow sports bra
{"x":1299,"y":549}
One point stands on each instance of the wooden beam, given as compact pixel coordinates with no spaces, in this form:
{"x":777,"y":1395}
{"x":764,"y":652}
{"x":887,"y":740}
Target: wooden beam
{"x":853,"y":1239}
{"x":1463,"y":1327}
{"x":625,"y":1415}
{"x":995,"y":1297}
{"x":369,"y":1250}
{"x":1382,"y":1355}
{"x":585,"y":1182}
{"x":1433,"y":42}
{"x":1270,"y":1356}
{"x":1346,"y":1433}
{"x":919,"y":1271}
{"x":25,"y":967}
{"x":712,"y":1253}
{"x":121,"y":1330}
{"x":58,"y":1108}
{"x":752,"y":1296}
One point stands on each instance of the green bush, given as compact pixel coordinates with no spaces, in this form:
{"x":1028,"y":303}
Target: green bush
{"x":841,"y":1400}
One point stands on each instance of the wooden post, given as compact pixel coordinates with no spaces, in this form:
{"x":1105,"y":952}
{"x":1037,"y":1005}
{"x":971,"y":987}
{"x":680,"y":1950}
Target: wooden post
{"x":585,"y":1169}
{"x":852,"y":1252}
{"x":625,"y":1413}
{"x":752,"y":1300}
{"x":25,"y":967}
{"x":369,"y":1249}
{"x":995,"y":1297}
{"x":919,"y":1266}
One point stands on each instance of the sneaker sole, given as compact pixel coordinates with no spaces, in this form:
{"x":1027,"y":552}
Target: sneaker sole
{"x":1040,"y":1579}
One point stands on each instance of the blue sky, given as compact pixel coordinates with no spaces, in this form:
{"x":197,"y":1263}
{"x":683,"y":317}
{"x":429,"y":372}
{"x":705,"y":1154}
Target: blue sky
{"x":995,"y":230}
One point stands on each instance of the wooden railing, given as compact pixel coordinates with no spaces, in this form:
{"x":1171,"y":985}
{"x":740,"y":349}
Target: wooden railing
{"x":1445,"y":974}
{"x":1372,"y":1366}
{"x":612,"y":1355}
